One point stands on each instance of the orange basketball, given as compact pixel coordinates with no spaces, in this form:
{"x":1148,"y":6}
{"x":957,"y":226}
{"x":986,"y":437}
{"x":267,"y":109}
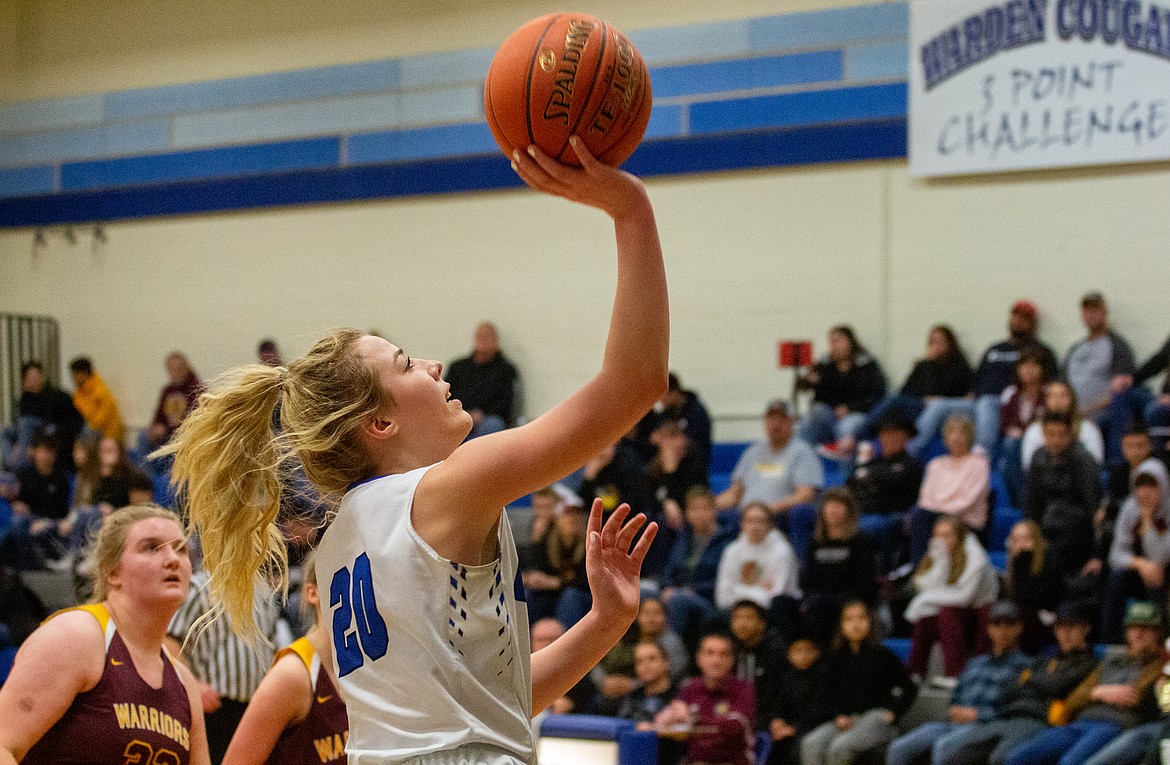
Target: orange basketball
{"x":568,"y":74}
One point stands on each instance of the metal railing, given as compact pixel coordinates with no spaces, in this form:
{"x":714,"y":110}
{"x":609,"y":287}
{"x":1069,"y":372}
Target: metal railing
{"x":24,"y":339}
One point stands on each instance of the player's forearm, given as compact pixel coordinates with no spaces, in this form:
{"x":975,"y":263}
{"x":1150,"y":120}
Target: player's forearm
{"x":560,"y":666}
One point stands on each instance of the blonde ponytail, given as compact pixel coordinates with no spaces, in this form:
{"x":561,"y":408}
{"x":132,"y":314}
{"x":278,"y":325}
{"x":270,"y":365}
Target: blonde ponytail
{"x":229,"y":459}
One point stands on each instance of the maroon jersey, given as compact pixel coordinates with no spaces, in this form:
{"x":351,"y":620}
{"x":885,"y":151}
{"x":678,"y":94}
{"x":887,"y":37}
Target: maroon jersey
{"x":121,"y":719}
{"x":320,"y":737}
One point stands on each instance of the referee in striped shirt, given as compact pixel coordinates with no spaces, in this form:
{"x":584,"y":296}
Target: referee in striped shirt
{"x":228,"y":669}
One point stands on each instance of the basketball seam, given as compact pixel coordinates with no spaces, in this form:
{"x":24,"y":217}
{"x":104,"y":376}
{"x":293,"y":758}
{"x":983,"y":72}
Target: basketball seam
{"x":589,"y":95}
{"x":528,"y":84}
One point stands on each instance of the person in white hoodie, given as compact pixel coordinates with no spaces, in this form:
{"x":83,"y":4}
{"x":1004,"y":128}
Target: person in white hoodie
{"x":956,"y":586}
{"x":759,"y":566}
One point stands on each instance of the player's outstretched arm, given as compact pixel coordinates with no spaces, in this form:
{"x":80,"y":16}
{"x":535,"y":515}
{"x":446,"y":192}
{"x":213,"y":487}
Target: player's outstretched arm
{"x":614,"y":582}
{"x":486,"y":473}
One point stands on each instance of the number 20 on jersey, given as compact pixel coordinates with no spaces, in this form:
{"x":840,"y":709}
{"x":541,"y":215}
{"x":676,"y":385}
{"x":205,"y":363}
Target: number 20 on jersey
{"x":351,"y":596}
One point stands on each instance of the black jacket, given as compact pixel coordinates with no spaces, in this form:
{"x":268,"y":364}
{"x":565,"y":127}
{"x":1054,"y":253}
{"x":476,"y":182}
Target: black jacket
{"x":1034,"y":592}
{"x":997,"y":368}
{"x":949,"y":377}
{"x":762,"y":665}
{"x":873,"y":678}
{"x":1061,"y":495}
{"x":887,"y":485}
{"x":1048,"y":679}
{"x":489,"y":387}
{"x":859,"y":388}
{"x":1157,"y":363}
{"x":841,"y":568}
{"x":795,"y":696}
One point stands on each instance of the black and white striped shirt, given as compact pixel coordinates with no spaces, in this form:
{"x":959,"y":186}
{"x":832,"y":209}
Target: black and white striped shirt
{"x":215,"y":654}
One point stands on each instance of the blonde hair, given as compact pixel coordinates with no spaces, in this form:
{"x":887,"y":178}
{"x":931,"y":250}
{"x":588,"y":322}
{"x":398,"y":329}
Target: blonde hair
{"x":229,"y":459}
{"x":958,"y":557}
{"x":105,"y":554}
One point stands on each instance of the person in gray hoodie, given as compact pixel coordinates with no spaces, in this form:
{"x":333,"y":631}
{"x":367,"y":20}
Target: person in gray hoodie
{"x":1139,"y":553}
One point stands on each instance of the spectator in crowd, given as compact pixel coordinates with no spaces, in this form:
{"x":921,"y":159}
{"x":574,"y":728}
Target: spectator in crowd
{"x":781,"y":471}
{"x":653,"y":627}
{"x":690,"y":574}
{"x":716,"y":701}
{"x":887,"y":486}
{"x":1157,"y":411}
{"x":94,"y":401}
{"x":956,"y":586}
{"x":1032,"y":581}
{"x":41,"y":408}
{"x":846,"y":385}
{"x":1099,"y":366}
{"x":1024,"y":710}
{"x":485,"y":383}
{"x":957,"y":485}
{"x":1138,"y":556}
{"x":1020,"y":405}
{"x":681,"y":406}
{"x":656,"y":686}
{"x":792,"y":709}
{"x":933,"y":390}
{"x":179,"y":396}
{"x":1060,"y":398}
{"x":616,"y":475}
{"x":982,"y":686}
{"x":996,"y":369}
{"x":759,"y":566}
{"x":227,"y":668}
{"x":1063,"y":492}
{"x":675,"y":467}
{"x":579,"y":699}
{"x":759,"y":653}
{"x":268,"y":353}
{"x":614,"y":675}
{"x":865,"y":691}
{"x":545,"y":504}
{"x":1137,"y":457}
{"x":840,"y":565}
{"x":1115,"y":697}
{"x":39,"y":508}
{"x":556,"y":584}
{"x":105,"y":476}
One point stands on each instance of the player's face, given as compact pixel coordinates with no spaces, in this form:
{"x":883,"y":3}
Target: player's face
{"x":417,"y":399}
{"x":154,"y":567}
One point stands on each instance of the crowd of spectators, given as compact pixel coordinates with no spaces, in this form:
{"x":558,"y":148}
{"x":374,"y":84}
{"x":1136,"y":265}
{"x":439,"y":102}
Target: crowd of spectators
{"x":772,"y":591}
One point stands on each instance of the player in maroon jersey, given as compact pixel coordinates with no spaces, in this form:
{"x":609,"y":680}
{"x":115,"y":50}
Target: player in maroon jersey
{"x":296,"y":716}
{"x":93,"y":685}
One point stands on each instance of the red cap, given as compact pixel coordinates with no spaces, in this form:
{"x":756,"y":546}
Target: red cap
{"x":1026,"y":307}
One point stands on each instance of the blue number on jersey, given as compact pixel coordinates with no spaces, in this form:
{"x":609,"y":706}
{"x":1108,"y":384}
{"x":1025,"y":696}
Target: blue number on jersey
{"x":350,"y":597}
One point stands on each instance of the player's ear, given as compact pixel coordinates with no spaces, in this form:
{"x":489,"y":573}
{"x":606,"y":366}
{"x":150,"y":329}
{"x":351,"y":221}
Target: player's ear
{"x":381,"y":428}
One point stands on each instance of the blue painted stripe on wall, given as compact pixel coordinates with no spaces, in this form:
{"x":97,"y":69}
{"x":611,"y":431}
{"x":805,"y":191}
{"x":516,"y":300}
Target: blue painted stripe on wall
{"x":875,"y":62}
{"x":695,"y":42}
{"x":830,"y":27}
{"x":209,"y":163}
{"x":793,"y":109}
{"x":424,"y":143}
{"x":330,"y":117}
{"x":257,"y":90}
{"x":747,"y":73}
{"x":833,"y":143}
{"x":50,"y":114}
{"x":454,"y":68}
{"x":665,"y":122}
{"x":84,"y":143}
{"x":27,"y":181}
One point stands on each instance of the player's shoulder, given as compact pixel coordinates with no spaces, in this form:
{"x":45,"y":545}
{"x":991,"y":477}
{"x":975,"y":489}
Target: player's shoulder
{"x":71,"y":641}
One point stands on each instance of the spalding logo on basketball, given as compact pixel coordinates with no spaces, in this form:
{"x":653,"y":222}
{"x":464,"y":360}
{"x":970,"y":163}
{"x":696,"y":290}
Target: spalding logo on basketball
{"x":568,"y":74}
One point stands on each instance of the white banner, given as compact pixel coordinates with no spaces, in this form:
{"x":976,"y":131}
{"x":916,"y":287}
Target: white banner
{"x":1037,"y":83}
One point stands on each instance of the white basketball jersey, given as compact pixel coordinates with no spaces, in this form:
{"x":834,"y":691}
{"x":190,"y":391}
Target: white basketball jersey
{"x":431,"y":655}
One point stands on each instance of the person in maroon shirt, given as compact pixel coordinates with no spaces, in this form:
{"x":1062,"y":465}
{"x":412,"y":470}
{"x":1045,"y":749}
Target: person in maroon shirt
{"x":296,"y":716}
{"x":93,"y":685}
{"x":716,"y":709}
{"x":177,"y":399}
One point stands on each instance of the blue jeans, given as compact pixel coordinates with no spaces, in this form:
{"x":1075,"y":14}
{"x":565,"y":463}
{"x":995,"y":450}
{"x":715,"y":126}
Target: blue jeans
{"x":16,"y":439}
{"x":921,"y":527}
{"x":575,"y":602}
{"x":1011,"y":467}
{"x":933,"y":416}
{"x":885,"y":531}
{"x":1158,"y":421}
{"x":822,"y":426}
{"x":908,"y":406}
{"x":798,"y":523}
{"x":1072,"y":744}
{"x":987,"y":422}
{"x":1133,"y":405}
{"x":1130,"y":748}
{"x":939,"y":738}
{"x":687,"y":612}
{"x":491,"y":423}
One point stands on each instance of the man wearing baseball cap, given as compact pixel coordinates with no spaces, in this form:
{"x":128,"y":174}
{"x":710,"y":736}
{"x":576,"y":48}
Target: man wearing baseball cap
{"x":997,"y":369}
{"x":1117,"y":696}
{"x":1024,"y":711}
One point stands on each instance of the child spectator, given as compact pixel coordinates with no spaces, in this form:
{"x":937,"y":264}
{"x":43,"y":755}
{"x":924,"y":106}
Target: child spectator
{"x":655,"y":688}
{"x":94,"y":401}
{"x":1138,"y":556}
{"x":1115,"y":697}
{"x":846,"y":385}
{"x":759,"y":653}
{"x":1025,"y":709}
{"x":840,"y":565}
{"x":957,"y":485}
{"x":791,"y":708}
{"x":653,"y":627}
{"x":1059,"y":397}
{"x":1032,"y":581}
{"x":689,"y":577}
{"x":984,"y":683}
{"x":759,"y":565}
{"x":716,"y":701}
{"x":955,"y":587}
{"x":865,"y":691}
